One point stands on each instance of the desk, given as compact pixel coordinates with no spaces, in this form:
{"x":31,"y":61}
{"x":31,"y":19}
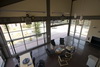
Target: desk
{"x":22,"y":57}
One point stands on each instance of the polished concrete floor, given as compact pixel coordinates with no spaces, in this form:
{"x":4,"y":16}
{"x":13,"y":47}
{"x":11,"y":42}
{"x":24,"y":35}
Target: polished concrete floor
{"x":79,"y":59}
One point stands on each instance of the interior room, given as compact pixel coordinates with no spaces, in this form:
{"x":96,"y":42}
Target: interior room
{"x":49,"y":33}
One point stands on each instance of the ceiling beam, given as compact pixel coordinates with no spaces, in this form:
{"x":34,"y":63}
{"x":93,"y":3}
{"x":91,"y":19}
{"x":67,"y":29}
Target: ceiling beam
{"x":8,"y":2}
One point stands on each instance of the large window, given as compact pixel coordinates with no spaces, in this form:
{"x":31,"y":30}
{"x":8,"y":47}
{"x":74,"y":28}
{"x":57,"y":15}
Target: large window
{"x":40,"y":31}
{"x":79,"y":29}
{"x":21,"y":37}
{"x":59,"y":22}
{"x":59,"y":30}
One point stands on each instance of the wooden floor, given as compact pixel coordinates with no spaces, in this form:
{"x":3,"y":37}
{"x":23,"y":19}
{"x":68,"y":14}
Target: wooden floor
{"x":79,"y":58}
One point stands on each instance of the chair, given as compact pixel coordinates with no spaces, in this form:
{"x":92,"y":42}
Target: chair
{"x":64,"y":57}
{"x":92,"y":61}
{"x":16,"y":65}
{"x":98,"y":63}
{"x":50,"y":52}
{"x":61,"y":41}
{"x":31,"y":54}
{"x":62,"y":60}
{"x":33,"y":60}
{"x":72,"y":50}
{"x":18,"y":58}
{"x":41,"y":63}
{"x":53,"y":42}
{"x":68,"y":56}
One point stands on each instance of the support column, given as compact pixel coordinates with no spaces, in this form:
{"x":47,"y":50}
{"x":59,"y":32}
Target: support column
{"x":69,"y":25}
{"x":48,"y":23}
{"x":3,"y":45}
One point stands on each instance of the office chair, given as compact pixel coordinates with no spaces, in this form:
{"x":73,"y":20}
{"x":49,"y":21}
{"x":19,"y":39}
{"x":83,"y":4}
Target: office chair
{"x":53,"y":42}
{"x":61,"y":41}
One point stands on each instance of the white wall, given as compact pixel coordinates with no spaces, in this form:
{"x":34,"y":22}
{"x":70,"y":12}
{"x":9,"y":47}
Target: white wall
{"x":94,"y":31}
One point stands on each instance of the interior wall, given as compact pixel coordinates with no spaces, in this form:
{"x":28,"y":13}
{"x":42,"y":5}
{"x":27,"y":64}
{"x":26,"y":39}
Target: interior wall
{"x":60,"y":7}
{"x":94,"y":29}
{"x":36,"y":5}
{"x":86,"y":7}
{"x":80,"y":7}
{"x":26,"y":5}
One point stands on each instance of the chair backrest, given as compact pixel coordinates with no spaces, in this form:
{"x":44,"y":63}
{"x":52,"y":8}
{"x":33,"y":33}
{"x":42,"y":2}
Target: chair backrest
{"x":33,"y":59}
{"x":16,"y":65}
{"x":92,"y":60}
{"x":61,"y":41}
{"x":48,"y":52}
{"x":31,"y":54}
{"x":98,"y":63}
{"x":53,"y":42}
{"x":18,"y":58}
{"x":41,"y":63}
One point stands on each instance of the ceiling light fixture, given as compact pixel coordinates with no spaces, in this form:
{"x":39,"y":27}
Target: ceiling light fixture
{"x":62,"y":17}
{"x":81,"y":17}
{"x":28,"y":19}
{"x":75,"y":15}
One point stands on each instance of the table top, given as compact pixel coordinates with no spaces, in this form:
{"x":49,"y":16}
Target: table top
{"x":69,"y":48}
{"x":22,"y":57}
{"x":60,"y":48}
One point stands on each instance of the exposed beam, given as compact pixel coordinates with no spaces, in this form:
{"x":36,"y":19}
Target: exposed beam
{"x":8,"y":2}
{"x":8,"y":20}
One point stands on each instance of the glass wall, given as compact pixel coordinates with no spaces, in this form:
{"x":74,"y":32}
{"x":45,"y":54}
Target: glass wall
{"x":79,"y":29}
{"x":59,"y":31}
{"x":59,"y":22}
{"x":40,"y":31}
{"x":21,"y":37}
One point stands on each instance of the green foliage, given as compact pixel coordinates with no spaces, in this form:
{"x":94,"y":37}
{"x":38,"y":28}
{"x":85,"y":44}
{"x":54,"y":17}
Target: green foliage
{"x":4,"y":27}
{"x":37,"y":29}
{"x":26,"y":26}
{"x":29,"y":26}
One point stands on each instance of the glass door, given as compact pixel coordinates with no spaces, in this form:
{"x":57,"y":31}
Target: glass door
{"x":79,"y":29}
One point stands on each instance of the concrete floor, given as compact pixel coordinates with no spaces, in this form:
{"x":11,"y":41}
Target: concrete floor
{"x":79,"y":59}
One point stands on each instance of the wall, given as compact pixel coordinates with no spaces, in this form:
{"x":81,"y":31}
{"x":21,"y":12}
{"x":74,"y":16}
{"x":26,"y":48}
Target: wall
{"x":36,"y":5}
{"x":80,"y":7}
{"x":94,"y":31}
{"x":86,"y":7}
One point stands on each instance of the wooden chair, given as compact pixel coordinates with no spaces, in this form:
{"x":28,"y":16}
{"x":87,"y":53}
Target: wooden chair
{"x":68,"y":56}
{"x":62,"y":60}
{"x":64,"y":57}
